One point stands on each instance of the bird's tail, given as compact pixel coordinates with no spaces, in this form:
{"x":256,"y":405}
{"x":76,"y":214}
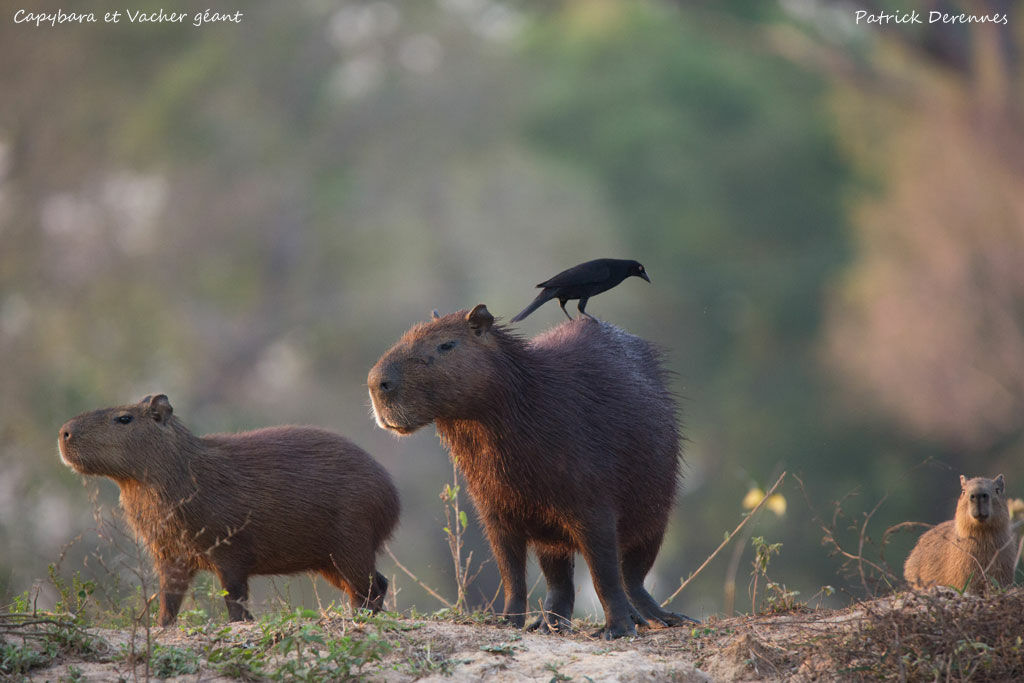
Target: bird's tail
{"x":543,"y":297}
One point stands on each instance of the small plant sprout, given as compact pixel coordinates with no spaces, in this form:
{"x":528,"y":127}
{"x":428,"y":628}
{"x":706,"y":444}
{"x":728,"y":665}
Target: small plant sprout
{"x":456,"y":523}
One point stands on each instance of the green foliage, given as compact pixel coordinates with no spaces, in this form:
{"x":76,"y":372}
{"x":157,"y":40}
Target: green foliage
{"x":763,"y":553}
{"x":21,"y":603}
{"x":44,"y":637}
{"x":16,"y":659}
{"x":456,"y":524}
{"x":777,"y":597}
{"x":71,"y":599}
{"x":424,"y":661}
{"x":166,"y":661}
{"x":556,"y":675}
{"x":780,"y":599}
{"x":311,"y":654}
{"x":508,"y":647}
{"x":236,"y":661}
{"x":383,"y":622}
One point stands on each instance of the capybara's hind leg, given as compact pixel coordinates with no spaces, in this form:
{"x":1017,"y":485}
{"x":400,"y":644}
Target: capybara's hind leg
{"x":367,"y":591}
{"x":237,"y":586}
{"x":378,"y":591}
{"x":557,"y":567}
{"x":636,"y":562}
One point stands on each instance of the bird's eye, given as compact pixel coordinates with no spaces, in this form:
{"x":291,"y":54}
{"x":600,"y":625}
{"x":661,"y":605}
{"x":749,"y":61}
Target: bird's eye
{"x":124,"y":419}
{"x":447,"y":346}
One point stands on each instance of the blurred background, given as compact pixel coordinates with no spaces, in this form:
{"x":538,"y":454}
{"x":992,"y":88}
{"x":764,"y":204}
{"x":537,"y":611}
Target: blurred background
{"x":246,"y":216}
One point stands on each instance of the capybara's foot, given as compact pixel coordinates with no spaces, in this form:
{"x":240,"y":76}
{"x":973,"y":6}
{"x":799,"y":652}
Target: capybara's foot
{"x":676,"y":619}
{"x":378,"y":591}
{"x":638,"y":619}
{"x":659,"y":618}
{"x":622,"y":627}
{"x":549,"y":622}
{"x":611,"y":632}
{"x":516,"y":620}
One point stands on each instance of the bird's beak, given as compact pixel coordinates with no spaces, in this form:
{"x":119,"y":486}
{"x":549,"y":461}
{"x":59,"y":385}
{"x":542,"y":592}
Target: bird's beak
{"x":644,"y":276}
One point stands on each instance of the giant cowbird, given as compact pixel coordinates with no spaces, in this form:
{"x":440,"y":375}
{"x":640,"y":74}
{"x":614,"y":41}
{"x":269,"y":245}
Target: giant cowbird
{"x":582,"y":282}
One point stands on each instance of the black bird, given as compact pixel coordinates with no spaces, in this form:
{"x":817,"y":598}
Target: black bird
{"x":582,"y":282}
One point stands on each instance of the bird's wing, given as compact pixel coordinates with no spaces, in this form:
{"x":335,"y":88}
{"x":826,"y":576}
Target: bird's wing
{"x":583,"y":274}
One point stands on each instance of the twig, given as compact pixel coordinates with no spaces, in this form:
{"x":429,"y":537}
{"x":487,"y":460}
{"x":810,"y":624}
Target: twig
{"x":1020,"y":549}
{"x":860,"y":545}
{"x":724,"y":543}
{"x":415,"y":578}
{"x":830,"y":538}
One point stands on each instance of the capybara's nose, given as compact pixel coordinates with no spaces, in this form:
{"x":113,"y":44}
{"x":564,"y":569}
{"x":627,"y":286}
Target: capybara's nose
{"x":66,"y":432}
{"x":383,"y":380}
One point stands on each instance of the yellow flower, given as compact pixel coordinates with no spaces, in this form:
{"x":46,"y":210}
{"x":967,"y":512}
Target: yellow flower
{"x":1016,"y":506}
{"x":752,"y":498}
{"x":776,"y":502}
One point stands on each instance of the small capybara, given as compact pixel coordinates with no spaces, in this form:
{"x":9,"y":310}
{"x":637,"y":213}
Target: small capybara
{"x":974,"y":548}
{"x":278,"y":500}
{"x":568,"y":443}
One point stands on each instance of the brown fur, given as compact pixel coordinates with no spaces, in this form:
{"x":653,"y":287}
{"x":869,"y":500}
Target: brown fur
{"x":278,"y":500}
{"x":568,"y":443}
{"x":972,"y":550}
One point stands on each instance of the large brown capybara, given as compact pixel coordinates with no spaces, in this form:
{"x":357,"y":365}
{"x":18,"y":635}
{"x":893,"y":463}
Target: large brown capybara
{"x":568,"y":443}
{"x":971,"y":550}
{"x":278,"y":500}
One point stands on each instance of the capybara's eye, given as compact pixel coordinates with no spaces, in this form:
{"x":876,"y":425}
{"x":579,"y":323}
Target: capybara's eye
{"x":447,"y":346}
{"x":124,"y":419}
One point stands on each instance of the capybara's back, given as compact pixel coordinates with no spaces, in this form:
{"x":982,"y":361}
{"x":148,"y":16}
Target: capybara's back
{"x":972,"y":550}
{"x":277,"y":500}
{"x":604,"y":411}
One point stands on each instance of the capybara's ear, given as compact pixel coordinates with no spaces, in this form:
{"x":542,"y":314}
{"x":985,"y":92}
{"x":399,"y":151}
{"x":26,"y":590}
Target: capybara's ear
{"x":963,"y":481}
{"x":479,"y":319}
{"x":160,"y":408}
{"x":998,"y":481}
{"x":434,"y":315}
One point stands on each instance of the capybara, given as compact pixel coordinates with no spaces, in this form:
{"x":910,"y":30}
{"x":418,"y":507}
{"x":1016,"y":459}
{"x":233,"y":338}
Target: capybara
{"x":278,"y":500}
{"x":568,"y":443}
{"x":971,"y":549}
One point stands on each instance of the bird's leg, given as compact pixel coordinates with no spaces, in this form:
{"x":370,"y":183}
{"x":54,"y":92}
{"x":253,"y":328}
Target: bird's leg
{"x":582,"y":304}
{"x":561,"y":302}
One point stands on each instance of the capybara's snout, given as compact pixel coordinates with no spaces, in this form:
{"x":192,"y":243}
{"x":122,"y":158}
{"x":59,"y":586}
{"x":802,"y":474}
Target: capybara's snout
{"x":383,"y":383}
{"x":68,"y":431}
{"x":66,"y":438}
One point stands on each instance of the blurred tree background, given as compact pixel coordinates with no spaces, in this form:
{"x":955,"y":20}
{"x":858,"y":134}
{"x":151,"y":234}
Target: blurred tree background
{"x":246,"y":216}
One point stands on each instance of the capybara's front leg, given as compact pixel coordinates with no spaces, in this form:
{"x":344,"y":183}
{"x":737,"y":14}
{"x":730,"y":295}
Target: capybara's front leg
{"x":598,"y":543}
{"x":557,"y":567}
{"x":175,"y":578}
{"x":237,"y":586}
{"x":510,"y":555}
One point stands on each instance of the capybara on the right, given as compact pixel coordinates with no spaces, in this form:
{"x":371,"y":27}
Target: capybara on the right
{"x":972,"y":550}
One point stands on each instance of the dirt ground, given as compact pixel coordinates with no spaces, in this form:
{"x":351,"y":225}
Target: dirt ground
{"x":936,"y":635}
